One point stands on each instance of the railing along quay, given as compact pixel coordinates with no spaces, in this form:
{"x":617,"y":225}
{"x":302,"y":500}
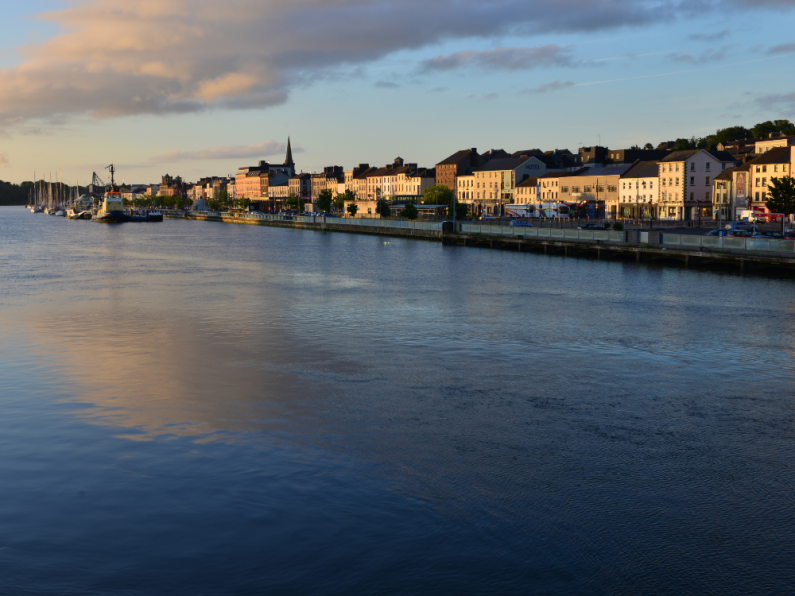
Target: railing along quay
{"x":638,"y":244}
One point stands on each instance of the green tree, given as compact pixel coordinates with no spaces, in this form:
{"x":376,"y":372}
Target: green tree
{"x":781,"y":195}
{"x":347,"y":197}
{"x":763,"y":129}
{"x":648,"y":146}
{"x":324,"y":200}
{"x":339,"y":200}
{"x":383,"y":209}
{"x":461,"y":211}
{"x":727,"y":135}
{"x":353,"y":208}
{"x":409,"y":211}
{"x":437,"y":194}
{"x":635,"y":147}
{"x":293,"y":202}
{"x":244,"y":204}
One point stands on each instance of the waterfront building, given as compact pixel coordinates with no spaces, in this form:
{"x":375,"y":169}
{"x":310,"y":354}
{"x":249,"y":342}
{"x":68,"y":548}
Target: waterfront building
{"x":328,"y":179}
{"x":528,"y":191}
{"x":353,"y":178}
{"x":300,"y":185}
{"x":638,"y":190}
{"x":252,"y":182}
{"x":465,"y":189}
{"x":776,"y":139}
{"x":377,"y":179}
{"x":773,"y":163}
{"x":496,"y":179}
{"x":685,"y":187}
{"x":627,"y":157}
{"x":460,"y":163}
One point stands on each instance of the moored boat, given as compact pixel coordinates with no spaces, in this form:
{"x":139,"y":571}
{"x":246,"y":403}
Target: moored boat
{"x":111,"y":210}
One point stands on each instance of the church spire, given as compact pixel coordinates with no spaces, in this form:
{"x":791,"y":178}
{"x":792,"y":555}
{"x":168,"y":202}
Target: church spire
{"x":288,"y":160}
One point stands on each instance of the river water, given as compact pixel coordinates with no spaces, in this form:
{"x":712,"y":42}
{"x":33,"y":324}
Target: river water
{"x":200,"y":408}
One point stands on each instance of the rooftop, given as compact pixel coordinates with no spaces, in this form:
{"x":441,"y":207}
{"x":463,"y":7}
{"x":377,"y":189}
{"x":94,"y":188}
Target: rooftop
{"x":775,"y":155}
{"x":643,"y":169}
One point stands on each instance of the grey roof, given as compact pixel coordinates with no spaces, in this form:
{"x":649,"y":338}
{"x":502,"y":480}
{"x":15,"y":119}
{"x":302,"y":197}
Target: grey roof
{"x":567,"y":174}
{"x":775,"y":155}
{"x":680,"y":155}
{"x":722,"y":155}
{"x":457,"y":157}
{"x":528,"y":182}
{"x":494,"y":165}
{"x":607,"y":171}
{"x":643,"y":169}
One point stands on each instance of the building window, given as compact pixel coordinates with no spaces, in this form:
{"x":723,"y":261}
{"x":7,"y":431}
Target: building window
{"x":707,"y":180}
{"x":764,"y":168}
{"x":708,"y":167}
{"x":692,"y":196}
{"x":692,"y":180}
{"x":692,"y":167}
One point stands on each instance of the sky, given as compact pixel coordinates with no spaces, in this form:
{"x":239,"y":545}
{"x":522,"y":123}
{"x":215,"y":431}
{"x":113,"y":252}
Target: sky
{"x":201,"y":87}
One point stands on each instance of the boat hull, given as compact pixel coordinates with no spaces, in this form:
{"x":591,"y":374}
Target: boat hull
{"x":112,"y":217}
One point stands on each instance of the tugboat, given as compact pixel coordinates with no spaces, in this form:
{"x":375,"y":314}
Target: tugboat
{"x":112,"y":208}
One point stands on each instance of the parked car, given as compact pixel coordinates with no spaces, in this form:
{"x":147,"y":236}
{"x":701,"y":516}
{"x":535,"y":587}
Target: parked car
{"x":521,"y":222}
{"x":762,"y":235}
{"x":789,"y":235}
{"x":717,"y":233}
{"x":740,"y":233}
{"x":591,"y":227}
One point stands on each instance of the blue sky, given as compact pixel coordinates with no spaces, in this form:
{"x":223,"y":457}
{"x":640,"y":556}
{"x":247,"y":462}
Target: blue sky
{"x":181,"y":87}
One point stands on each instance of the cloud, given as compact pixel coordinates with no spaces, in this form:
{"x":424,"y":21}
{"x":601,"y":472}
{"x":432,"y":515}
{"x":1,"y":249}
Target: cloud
{"x":4,"y":159}
{"x":501,"y":59}
{"x":238,"y":152}
{"x":784,"y":103}
{"x":711,"y":55}
{"x":784,"y":48}
{"x":386,"y":85}
{"x":708,"y":36}
{"x":553,"y":86}
{"x":488,"y":97}
{"x":438,"y":90}
{"x":112,"y":58}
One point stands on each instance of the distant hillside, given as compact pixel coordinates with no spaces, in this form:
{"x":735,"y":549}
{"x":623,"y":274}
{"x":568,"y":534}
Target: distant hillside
{"x":17,"y":194}
{"x":14,"y":194}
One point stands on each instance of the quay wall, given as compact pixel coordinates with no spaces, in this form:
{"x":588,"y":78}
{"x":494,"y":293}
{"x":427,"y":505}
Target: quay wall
{"x":640,"y":245}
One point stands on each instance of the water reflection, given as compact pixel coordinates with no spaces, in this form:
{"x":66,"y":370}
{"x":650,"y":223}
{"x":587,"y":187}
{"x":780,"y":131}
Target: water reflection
{"x":390,"y":416}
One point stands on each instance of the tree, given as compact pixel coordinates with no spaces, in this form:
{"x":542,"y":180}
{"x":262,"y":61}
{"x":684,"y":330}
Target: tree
{"x":244,"y":203}
{"x":461,"y":210}
{"x":635,"y":147}
{"x":648,"y":146}
{"x":352,"y":209}
{"x":324,"y":200}
{"x":763,"y":129}
{"x":781,"y":195}
{"x":293,"y":202}
{"x":727,"y":135}
{"x":409,"y":211}
{"x":342,"y":198}
{"x":437,"y":194}
{"x":383,"y":209}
